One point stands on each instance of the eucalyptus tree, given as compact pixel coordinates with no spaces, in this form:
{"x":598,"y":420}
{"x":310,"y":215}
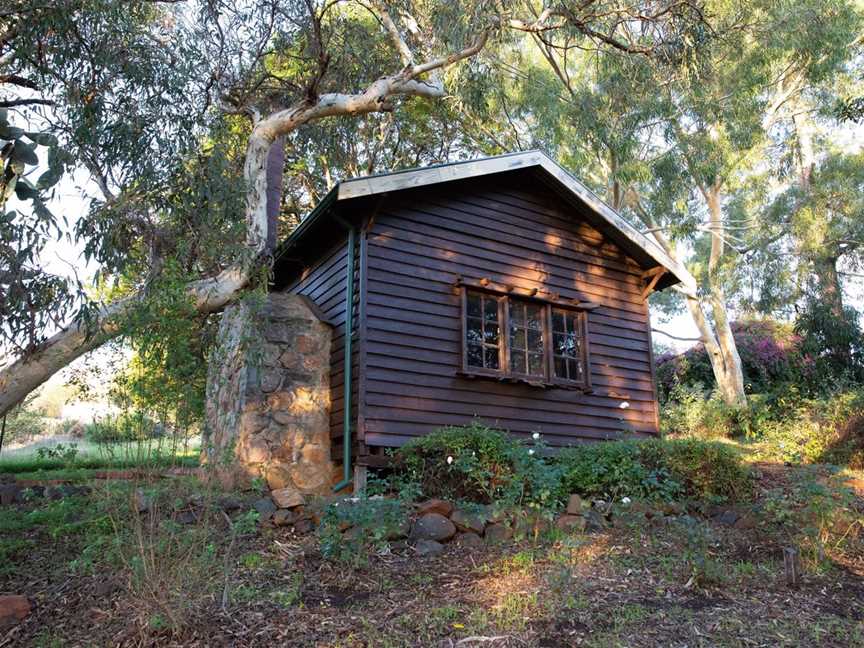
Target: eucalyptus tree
{"x":675,"y":135}
{"x":174,"y":109}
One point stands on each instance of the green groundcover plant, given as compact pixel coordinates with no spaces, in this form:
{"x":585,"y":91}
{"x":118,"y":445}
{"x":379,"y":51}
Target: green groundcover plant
{"x":481,"y":464}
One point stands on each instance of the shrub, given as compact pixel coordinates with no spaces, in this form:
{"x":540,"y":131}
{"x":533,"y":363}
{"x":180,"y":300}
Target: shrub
{"x":350,"y":528}
{"x":832,"y":345}
{"x":24,"y":423}
{"x":690,"y":411}
{"x":828,"y":429}
{"x":128,"y":426}
{"x":479,"y":464}
{"x":655,"y":469}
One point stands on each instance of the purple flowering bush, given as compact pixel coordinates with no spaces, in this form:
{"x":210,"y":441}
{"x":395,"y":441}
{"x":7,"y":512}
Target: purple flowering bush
{"x":771,"y":356}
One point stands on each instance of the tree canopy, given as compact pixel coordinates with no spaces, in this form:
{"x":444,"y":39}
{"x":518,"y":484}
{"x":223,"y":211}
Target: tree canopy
{"x":704,"y":122}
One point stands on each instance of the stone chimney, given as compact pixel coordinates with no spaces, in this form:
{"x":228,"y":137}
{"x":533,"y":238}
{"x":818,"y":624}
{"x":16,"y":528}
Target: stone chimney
{"x":268,"y":395}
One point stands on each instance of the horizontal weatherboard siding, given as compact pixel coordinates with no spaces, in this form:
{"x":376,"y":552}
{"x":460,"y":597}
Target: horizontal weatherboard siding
{"x":422,"y":242}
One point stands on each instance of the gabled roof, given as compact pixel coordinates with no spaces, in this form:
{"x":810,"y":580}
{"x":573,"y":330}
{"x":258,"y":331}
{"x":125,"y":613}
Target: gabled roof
{"x":643,"y":249}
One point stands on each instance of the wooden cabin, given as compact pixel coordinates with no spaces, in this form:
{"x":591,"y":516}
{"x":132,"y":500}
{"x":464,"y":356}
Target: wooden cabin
{"x":499,"y":288}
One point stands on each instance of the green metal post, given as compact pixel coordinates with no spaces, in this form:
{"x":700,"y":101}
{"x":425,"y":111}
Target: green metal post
{"x":346,"y":363}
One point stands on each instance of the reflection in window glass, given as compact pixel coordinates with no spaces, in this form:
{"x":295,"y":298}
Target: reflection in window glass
{"x":567,"y":345}
{"x":482,"y":331}
{"x":526,"y":338}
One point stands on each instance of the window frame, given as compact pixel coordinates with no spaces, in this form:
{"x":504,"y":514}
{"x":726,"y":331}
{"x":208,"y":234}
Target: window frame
{"x":505,"y":298}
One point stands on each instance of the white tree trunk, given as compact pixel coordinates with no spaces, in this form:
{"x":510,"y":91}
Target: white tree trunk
{"x":720,"y":346}
{"x":211,"y":294}
{"x":730,"y":377}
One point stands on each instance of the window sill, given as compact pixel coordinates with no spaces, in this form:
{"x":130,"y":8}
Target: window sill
{"x":539,"y":383}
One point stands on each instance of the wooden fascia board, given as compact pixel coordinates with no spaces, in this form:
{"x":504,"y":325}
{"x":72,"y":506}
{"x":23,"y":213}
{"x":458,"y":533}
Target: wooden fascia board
{"x":612,"y":217}
{"x":462,"y":170}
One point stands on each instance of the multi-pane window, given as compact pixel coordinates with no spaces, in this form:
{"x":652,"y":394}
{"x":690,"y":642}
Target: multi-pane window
{"x":483,"y":331}
{"x":524,"y":339}
{"x":567,"y":345}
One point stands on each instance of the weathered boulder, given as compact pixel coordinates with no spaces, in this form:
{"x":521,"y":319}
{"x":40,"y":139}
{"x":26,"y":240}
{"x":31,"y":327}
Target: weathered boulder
{"x":571,"y":523}
{"x":284,"y":517}
{"x":143,"y":502}
{"x":595,"y":520}
{"x":727,"y":518}
{"x":575,"y":505}
{"x":188,"y":517}
{"x":498,"y":532}
{"x":304,"y":526}
{"x":433,"y":526}
{"x":9,"y":494}
{"x":530,"y":526}
{"x":13,"y":609}
{"x":265,"y":507}
{"x":400,"y":531}
{"x":428,"y":548}
{"x":287,"y":497}
{"x":442,"y":507}
{"x":474,"y":521}
{"x":468,"y":539}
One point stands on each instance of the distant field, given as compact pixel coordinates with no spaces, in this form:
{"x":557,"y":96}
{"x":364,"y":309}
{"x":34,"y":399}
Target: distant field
{"x":162,"y":451}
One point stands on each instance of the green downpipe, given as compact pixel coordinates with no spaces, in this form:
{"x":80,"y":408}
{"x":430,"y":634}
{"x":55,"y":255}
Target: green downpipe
{"x":347,"y":361}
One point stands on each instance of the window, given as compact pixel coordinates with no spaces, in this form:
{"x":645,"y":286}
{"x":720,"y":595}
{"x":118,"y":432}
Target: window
{"x":532,"y":340}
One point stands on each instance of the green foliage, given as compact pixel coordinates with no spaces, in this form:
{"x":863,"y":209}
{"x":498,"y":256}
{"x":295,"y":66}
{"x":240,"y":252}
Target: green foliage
{"x":691,"y":411}
{"x":166,"y":378}
{"x":784,"y":425}
{"x":817,"y":512}
{"x":61,"y":452}
{"x":833,"y":346}
{"x":351,"y":528}
{"x":479,"y":464}
{"x":655,"y":469}
{"x":126,"y":426}
{"x":24,"y":422}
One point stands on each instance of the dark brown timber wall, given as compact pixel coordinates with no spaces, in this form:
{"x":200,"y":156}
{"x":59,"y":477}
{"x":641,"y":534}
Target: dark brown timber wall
{"x":323,"y":281}
{"x":512,"y":233}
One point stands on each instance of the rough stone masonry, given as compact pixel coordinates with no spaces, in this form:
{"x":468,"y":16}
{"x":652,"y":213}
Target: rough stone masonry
{"x":268,"y":395}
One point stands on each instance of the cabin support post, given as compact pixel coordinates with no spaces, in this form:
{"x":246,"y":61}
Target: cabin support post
{"x":346,"y":362}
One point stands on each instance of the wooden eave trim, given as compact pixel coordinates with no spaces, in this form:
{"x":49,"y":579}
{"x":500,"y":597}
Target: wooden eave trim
{"x":536,"y":295}
{"x":401,"y":180}
{"x":656,"y":274}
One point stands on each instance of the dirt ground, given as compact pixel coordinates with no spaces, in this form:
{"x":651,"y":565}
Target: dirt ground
{"x":665,"y":580}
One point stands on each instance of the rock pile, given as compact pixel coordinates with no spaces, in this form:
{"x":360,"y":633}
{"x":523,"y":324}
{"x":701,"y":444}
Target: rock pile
{"x":439,"y":522}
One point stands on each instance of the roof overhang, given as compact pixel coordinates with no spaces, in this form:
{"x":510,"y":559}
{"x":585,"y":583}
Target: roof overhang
{"x":644,"y":250}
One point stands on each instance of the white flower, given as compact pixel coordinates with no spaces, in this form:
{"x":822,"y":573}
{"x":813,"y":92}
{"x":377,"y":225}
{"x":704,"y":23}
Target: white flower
{"x":624,"y":405}
{"x":625,"y":500}
{"x":449,"y":460}
{"x":536,"y":436}
{"x":531,"y":451}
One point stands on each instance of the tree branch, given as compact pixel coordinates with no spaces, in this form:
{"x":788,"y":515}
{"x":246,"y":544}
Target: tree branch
{"x":12,"y":103}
